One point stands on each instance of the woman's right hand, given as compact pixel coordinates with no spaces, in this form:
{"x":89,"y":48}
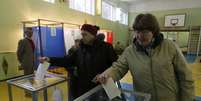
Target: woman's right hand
{"x":43,"y":59}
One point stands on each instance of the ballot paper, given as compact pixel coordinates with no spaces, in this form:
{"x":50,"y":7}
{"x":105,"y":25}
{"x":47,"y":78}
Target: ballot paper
{"x":41,"y":71}
{"x":57,"y":94}
{"x":111,"y":89}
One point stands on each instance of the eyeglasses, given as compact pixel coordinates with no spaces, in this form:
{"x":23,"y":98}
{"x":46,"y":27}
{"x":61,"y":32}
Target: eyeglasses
{"x":144,"y":32}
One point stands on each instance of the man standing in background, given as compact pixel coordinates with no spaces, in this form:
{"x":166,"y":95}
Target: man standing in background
{"x":118,"y":48}
{"x":25,"y":52}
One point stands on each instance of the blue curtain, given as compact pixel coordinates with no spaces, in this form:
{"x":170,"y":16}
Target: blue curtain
{"x":52,"y":42}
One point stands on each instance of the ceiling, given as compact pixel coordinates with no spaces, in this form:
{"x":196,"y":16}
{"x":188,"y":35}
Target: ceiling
{"x":154,"y":5}
{"x":144,"y":1}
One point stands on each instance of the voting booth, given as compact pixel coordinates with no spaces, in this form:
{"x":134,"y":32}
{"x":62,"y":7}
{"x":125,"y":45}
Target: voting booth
{"x":50,"y":37}
{"x":108,"y":35}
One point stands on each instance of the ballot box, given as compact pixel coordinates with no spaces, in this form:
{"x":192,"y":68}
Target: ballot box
{"x":98,"y":94}
{"x":33,"y":86}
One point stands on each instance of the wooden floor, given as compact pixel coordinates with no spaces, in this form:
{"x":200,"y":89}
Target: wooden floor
{"x":196,"y":70}
{"x":18,"y":94}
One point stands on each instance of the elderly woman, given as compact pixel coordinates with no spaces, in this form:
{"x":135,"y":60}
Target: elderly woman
{"x":156,"y":64}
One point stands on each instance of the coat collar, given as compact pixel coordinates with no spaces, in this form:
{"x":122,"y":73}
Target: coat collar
{"x":157,"y":41}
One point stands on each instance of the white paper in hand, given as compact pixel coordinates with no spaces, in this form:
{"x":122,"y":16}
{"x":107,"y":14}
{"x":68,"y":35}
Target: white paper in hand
{"x":41,"y":71}
{"x":57,"y":94}
{"x":111,"y":89}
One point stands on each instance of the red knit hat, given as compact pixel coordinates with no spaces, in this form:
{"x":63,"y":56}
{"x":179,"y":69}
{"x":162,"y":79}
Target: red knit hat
{"x":93,"y":29}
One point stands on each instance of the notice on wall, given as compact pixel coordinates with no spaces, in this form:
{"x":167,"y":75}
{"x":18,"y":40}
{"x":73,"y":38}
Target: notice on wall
{"x":53,"y":31}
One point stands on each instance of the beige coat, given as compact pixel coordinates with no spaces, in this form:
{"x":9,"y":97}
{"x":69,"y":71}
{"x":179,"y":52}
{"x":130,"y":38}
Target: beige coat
{"x":164,"y":74}
{"x":25,"y":56}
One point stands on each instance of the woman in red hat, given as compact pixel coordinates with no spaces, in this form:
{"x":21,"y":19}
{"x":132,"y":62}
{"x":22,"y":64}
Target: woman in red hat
{"x":91,"y":58}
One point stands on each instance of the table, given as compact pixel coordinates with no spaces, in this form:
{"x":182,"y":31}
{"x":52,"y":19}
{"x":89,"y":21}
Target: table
{"x":30,"y":84}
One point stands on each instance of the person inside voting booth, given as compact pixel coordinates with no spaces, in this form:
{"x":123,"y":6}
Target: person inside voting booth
{"x":157,"y":65}
{"x":92,"y":57}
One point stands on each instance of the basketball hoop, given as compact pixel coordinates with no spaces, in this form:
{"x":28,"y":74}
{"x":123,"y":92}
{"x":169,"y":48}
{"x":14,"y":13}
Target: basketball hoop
{"x":174,"y":22}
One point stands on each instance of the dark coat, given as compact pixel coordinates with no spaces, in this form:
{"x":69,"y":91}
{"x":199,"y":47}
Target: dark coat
{"x":25,"y":55}
{"x":90,"y":61}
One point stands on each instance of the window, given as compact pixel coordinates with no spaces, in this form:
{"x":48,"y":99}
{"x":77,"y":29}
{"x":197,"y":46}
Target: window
{"x":87,"y":6}
{"x":108,"y":11}
{"x":122,"y":16}
{"x":50,"y":1}
{"x":113,"y":13}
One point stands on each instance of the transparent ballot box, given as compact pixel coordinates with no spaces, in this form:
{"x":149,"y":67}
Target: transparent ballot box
{"x":98,"y":94}
{"x":30,"y":84}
